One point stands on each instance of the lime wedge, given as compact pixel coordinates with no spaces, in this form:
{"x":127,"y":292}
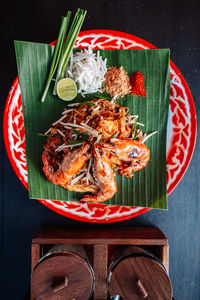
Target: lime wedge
{"x":66,"y":89}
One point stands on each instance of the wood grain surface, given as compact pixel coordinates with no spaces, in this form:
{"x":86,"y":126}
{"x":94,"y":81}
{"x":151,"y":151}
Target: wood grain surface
{"x":137,"y":273}
{"x":106,"y":235}
{"x":102,"y":248}
{"x":62,"y":276}
{"x":140,"y":278}
{"x":166,"y":24}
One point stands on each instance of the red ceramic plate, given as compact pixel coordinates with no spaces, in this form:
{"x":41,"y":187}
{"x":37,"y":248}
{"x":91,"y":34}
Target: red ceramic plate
{"x":181,"y":132}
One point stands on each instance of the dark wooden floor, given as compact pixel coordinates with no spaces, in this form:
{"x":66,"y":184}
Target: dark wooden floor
{"x":166,"y":24}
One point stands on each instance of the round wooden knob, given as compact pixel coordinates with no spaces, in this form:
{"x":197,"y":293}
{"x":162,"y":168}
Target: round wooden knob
{"x":62,"y":275}
{"x":141,"y":289}
{"x":56,"y":286}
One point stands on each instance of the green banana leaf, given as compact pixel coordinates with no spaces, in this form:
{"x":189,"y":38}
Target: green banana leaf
{"x":147,"y":188}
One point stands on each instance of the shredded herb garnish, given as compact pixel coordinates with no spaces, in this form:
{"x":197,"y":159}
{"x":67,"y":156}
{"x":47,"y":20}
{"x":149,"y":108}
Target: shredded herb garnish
{"x":136,"y":137}
{"x":134,"y":126}
{"x":42,"y":134}
{"x":84,"y":135}
{"x":102,"y":97}
{"x":115,"y":169}
{"x":74,"y":142}
{"x":86,"y":103}
{"x":115,"y":135}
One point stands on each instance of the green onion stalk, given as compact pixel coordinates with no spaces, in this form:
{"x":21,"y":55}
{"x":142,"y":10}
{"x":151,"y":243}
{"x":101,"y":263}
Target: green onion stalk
{"x":64,"y":48}
{"x":69,"y":45}
{"x":57,"y":52}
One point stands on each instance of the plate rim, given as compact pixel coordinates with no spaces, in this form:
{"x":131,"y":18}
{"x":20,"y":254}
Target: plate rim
{"x":192,"y":144}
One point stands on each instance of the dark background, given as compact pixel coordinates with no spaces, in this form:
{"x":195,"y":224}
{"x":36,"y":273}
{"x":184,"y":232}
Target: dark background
{"x":166,"y":24}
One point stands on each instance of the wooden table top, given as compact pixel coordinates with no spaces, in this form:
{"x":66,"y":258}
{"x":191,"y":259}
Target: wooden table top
{"x":166,"y":24}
